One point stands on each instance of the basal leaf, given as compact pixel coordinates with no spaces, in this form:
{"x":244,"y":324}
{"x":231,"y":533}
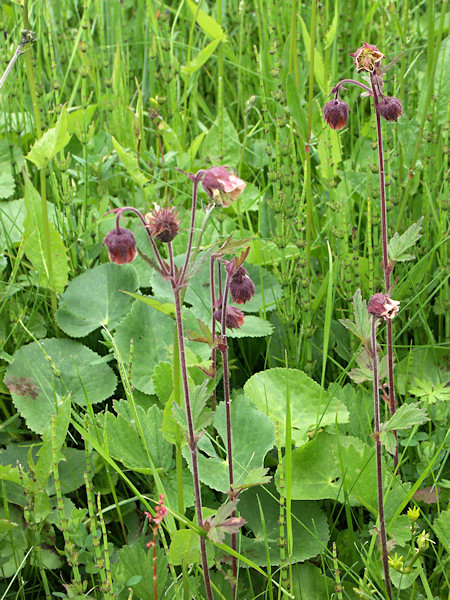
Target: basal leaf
{"x":95,"y":299}
{"x":253,"y":437}
{"x":311,"y":406}
{"x":124,"y":441}
{"x":42,"y":372}
{"x":134,"y":569}
{"x":309,"y":526}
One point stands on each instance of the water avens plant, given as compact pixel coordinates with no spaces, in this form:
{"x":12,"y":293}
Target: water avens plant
{"x":368,"y":59}
{"x":162,"y":225}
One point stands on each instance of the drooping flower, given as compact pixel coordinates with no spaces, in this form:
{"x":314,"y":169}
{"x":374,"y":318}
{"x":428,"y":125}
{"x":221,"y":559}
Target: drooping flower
{"x":163,"y":223}
{"x":381,"y":305}
{"x":335,"y":113}
{"x":367,"y":58}
{"x":121,"y":245}
{"x":222,"y":186}
{"x":234,"y":317}
{"x":242,"y":287}
{"x":389,"y":108}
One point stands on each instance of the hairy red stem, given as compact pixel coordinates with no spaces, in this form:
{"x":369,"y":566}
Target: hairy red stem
{"x":376,"y":407}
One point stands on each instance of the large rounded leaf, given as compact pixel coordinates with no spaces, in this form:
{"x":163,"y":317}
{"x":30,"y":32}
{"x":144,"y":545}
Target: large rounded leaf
{"x":309,"y":526}
{"x":94,"y":298}
{"x":253,"y":436}
{"x":311,"y":406}
{"x":152,"y":333}
{"x":45,"y":370}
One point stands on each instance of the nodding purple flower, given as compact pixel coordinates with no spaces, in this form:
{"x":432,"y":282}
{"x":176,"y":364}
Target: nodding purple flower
{"x":121,"y":245}
{"x":367,"y":58}
{"x":335,"y":113}
{"x":389,"y":108}
{"x":382,"y":306}
{"x":163,"y":223}
{"x":242,"y":288}
{"x":222,"y":186}
{"x":234,"y":318}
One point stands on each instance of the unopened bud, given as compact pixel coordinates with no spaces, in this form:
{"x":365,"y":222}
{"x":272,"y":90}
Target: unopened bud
{"x":335,"y":113}
{"x":121,"y":245}
{"x":389,"y":108}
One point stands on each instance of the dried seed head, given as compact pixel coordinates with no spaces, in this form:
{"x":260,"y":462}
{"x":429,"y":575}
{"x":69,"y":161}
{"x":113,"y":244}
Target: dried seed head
{"x":335,"y":113}
{"x":367,"y":58}
{"x":242,"y":287}
{"x":389,"y":108}
{"x":163,"y":223}
{"x":121,"y":245}
{"x":234,"y":317}
{"x":222,"y":186}
{"x":382,"y":306}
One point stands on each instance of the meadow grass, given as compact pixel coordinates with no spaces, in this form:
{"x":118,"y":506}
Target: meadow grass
{"x":139,"y":90}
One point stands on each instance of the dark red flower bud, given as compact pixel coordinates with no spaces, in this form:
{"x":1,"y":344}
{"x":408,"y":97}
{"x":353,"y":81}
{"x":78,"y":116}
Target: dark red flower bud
{"x":234,"y":318}
{"x":163,"y":223}
{"x":389,"y":108}
{"x":382,"y":306}
{"x":121,"y":246}
{"x":242,"y":287}
{"x":367,"y":58}
{"x":222,"y":186}
{"x":335,"y":113}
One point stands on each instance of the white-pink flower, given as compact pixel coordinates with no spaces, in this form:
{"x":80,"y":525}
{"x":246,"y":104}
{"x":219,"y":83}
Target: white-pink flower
{"x":222,"y":186}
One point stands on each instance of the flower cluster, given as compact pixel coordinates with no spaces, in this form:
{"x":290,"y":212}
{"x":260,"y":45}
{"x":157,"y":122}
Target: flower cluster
{"x":160,"y":513}
{"x":367,"y":58}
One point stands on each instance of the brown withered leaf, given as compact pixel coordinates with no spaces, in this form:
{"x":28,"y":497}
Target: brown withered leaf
{"x":428,"y":495}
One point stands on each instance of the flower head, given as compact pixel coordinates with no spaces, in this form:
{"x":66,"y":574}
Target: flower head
{"x":121,"y":245}
{"x":389,"y":108}
{"x":234,"y":318}
{"x":367,"y":58}
{"x":222,"y":186}
{"x":413,"y":514}
{"x":380,"y":305}
{"x":335,"y":113}
{"x":242,"y":287}
{"x":163,"y":223}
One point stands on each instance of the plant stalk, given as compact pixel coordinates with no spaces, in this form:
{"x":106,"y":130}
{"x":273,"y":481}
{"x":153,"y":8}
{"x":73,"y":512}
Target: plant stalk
{"x":387,"y":267}
{"x":226,"y":394}
{"x":191,"y":435}
{"x":376,"y":406}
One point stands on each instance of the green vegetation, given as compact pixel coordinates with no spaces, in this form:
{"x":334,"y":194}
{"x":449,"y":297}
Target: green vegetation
{"x":110,"y":104}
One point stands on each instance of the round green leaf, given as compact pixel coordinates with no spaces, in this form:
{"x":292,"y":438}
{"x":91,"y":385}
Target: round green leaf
{"x":252,"y":437}
{"x":94,"y":298}
{"x":311,"y":406}
{"x":310,"y":531}
{"x":43,"y":371}
{"x":152,"y":333}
